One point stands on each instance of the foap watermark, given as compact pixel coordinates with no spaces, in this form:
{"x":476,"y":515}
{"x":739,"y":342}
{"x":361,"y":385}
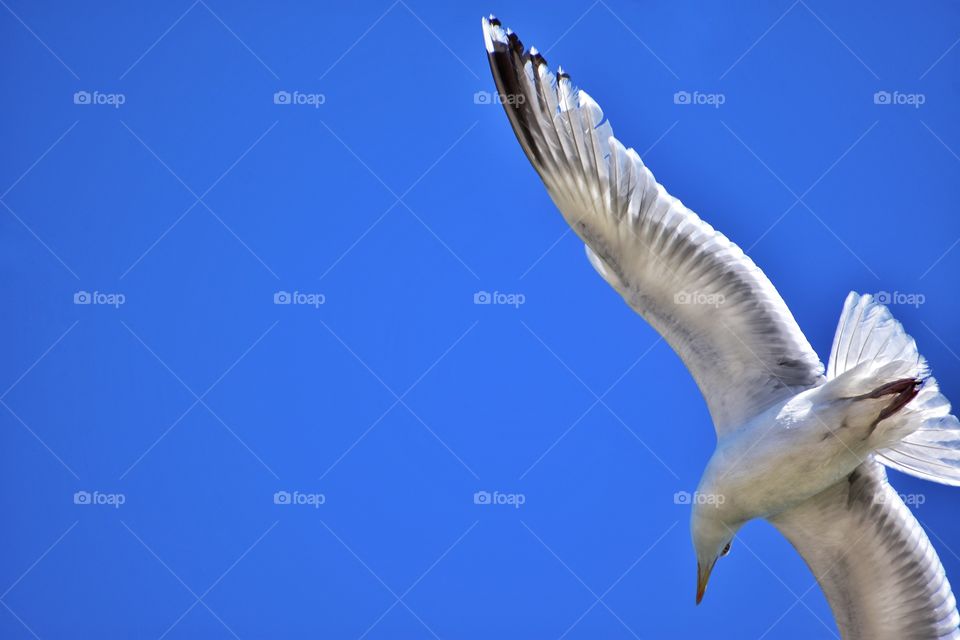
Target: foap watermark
{"x":299,"y":297}
{"x":915,"y":100}
{"x":99,"y":297}
{"x":685,"y":497}
{"x":486,"y":97}
{"x":715,"y":100}
{"x":299,"y":498}
{"x":909,"y":499}
{"x":115,"y":100}
{"x":299,"y":98}
{"x":699,"y":298}
{"x":515,"y":500}
{"x":900,"y":297}
{"x":98,"y":498}
{"x":499,"y":298}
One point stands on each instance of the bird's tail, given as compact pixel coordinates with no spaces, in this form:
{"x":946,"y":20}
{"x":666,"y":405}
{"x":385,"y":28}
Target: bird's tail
{"x":873,"y":359}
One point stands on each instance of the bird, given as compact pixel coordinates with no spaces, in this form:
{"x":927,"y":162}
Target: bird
{"x":803,"y":446}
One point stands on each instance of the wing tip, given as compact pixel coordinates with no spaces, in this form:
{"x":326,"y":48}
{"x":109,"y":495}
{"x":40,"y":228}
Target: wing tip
{"x":498,"y":38}
{"x":493,"y":33}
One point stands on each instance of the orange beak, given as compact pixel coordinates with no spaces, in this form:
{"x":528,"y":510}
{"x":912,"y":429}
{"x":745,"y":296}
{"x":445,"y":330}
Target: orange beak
{"x":702,"y":578}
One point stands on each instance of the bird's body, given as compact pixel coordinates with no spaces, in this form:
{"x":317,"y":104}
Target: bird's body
{"x":799,"y":444}
{"x":782,"y":457}
{"x":792,"y":451}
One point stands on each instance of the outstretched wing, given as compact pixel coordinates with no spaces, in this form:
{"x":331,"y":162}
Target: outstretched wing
{"x":875,"y":564}
{"x":713,"y":305}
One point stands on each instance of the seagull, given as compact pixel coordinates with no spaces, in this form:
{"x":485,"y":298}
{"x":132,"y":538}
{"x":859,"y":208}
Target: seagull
{"x":803,"y":446}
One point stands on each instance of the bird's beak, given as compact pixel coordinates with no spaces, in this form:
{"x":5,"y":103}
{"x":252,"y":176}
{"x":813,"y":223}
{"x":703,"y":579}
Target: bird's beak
{"x":703,"y":576}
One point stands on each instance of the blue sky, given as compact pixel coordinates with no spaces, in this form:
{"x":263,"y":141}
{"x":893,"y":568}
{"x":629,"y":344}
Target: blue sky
{"x":246,"y":389}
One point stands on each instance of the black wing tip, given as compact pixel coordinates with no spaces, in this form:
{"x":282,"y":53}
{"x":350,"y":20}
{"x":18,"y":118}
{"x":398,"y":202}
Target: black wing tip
{"x":495,"y":37}
{"x":499,"y":39}
{"x":515,"y":43}
{"x":537,"y":57}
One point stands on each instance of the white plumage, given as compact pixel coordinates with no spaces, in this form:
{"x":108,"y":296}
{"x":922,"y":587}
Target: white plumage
{"x":795,"y":446}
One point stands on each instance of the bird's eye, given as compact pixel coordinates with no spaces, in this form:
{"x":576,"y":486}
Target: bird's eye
{"x":726,"y":549}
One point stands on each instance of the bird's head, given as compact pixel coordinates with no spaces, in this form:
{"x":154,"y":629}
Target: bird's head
{"x":712,"y":538}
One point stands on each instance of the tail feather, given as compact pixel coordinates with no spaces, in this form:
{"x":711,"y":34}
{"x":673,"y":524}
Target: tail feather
{"x":904,"y":390}
{"x":872,"y":348}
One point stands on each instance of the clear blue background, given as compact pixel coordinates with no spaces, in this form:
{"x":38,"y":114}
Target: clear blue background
{"x":398,"y":199}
